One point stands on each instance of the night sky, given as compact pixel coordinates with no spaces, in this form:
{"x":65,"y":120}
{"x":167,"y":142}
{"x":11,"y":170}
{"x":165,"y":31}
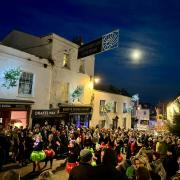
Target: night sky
{"x":152,"y":26}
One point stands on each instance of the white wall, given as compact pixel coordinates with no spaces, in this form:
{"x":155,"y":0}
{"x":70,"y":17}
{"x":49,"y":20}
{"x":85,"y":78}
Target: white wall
{"x":12,"y":58}
{"x":71,"y":76}
{"x":55,"y":49}
{"x":143,"y":114}
{"x":110,"y":97}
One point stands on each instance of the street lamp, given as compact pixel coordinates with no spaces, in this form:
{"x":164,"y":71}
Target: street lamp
{"x":93,"y":81}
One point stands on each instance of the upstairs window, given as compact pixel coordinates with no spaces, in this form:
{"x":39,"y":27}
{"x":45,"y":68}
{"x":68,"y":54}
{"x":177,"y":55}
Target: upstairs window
{"x":82,"y":66}
{"x":25,"y":84}
{"x":66,"y":61}
{"x":102,"y":106}
{"x":114,"y":108}
{"x":124,"y":108}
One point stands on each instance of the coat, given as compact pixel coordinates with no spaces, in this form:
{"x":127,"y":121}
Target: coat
{"x":82,"y":172}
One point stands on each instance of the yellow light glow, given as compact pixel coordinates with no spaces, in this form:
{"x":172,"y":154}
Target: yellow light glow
{"x":96,"y":80}
{"x":91,"y":85}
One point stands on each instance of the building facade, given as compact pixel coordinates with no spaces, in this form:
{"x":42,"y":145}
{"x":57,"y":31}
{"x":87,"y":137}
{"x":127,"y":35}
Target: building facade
{"x":111,"y":110}
{"x":24,"y":82}
{"x":70,"y":89}
{"x":173,"y":108}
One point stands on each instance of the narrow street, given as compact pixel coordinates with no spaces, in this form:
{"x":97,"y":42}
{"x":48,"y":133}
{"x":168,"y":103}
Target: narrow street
{"x":26,"y":172}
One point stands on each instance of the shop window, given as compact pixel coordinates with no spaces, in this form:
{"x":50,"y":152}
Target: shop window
{"x":19,"y":118}
{"x":66,"y":61}
{"x":82,"y":66}
{"x":25,"y":84}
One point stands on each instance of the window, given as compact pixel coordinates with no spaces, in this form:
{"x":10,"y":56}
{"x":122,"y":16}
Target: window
{"x":144,"y":112}
{"x":25,"y":84}
{"x":124,"y":108}
{"x":82,"y":66}
{"x":102,"y":106}
{"x":115,"y":104}
{"x":115,"y":123}
{"x":66,"y":61}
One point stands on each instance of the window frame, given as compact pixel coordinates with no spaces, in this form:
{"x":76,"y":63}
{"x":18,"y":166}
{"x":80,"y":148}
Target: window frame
{"x":68,"y":66}
{"x":32,"y":85}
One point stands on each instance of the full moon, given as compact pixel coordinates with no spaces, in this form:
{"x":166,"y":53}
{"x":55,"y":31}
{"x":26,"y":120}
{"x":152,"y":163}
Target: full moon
{"x":136,"y":55}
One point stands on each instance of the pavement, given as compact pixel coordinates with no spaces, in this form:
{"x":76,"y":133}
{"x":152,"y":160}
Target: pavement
{"x":26,"y":172}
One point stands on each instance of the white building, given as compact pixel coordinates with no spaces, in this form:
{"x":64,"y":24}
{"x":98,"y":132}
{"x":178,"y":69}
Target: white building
{"x":70,"y":88}
{"x":143,"y":116}
{"x":18,"y":97}
{"x":111,"y":110}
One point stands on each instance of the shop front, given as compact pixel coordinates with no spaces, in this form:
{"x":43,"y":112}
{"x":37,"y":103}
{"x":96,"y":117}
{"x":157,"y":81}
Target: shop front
{"x":52,"y":117}
{"x":14,"y":113}
{"x":78,"y":115}
{"x":66,"y":115}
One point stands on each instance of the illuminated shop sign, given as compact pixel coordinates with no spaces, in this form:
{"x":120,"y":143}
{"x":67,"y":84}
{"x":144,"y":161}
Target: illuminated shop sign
{"x":46,"y":113}
{"x":75,"y":109}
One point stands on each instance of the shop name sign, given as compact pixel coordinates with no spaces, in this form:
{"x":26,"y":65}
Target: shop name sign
{"x":104,"y":43}
{"x":45,"y":113}
{"x":75,"y":109}
{"x":5,"y":106}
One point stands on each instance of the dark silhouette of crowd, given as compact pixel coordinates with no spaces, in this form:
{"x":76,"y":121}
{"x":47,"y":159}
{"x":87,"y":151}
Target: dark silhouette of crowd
{"x":93,"y":153}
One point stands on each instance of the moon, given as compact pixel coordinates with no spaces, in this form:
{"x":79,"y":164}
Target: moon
{"x":136,"y":55}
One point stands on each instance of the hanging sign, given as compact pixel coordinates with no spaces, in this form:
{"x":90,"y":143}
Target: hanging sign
{"x":104,"y":43}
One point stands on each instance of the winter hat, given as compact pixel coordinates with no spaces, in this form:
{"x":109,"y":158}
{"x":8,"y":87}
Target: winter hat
{"x":85,"y":155}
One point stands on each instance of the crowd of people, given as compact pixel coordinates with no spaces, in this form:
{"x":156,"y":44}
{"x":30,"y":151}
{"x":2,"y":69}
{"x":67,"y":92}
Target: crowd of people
{"x":93,"y":153}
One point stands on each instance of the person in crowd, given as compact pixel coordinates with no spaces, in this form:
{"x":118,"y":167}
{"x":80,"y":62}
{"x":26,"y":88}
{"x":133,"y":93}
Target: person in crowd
{"x":21,"y":149}
{"x":170,"y":163}
{"x":15,"y":143}
{"x":142,"y":173}
{"x":49,"y":150}
{"x":107,"y":170}
{"x":130,"y":171}
{"x":158,"y":166}
{"x":84,"y":170}
{"x":38,"y":154}
{"x":28,"y":146}
{"x":4,"y":146}
{"x":161,"y":147}
{"x":72,"y":159}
